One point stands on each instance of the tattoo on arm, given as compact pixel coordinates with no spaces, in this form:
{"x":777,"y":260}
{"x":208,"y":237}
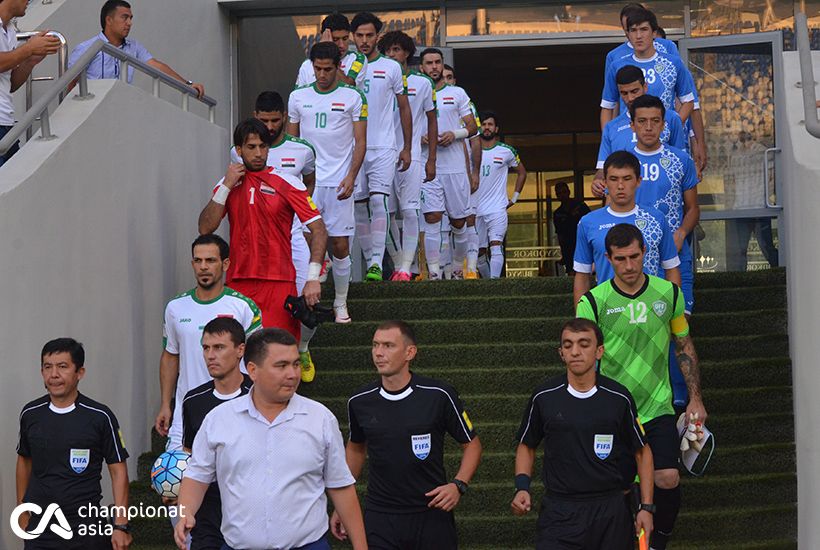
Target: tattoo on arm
{"x":688,"y":363}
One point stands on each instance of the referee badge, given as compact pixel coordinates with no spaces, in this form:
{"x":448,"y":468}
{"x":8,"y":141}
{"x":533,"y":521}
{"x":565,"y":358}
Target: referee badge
{"x":421,"y":445}
{"x":603,"y":445}
{"x":78,"y":459}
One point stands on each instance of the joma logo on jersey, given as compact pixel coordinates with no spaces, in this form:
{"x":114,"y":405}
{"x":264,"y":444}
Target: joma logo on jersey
{"x":185,"y":320}
{"x":612,"y":310}
{"x":605,"y":226}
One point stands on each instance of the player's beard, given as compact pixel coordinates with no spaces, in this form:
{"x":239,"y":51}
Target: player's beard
{"x":485,"y":137}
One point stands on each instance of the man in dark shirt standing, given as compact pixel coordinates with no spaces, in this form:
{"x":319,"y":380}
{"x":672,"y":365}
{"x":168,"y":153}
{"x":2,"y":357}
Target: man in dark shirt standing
{"x":64,"y":439}
{"x":399,"y":423}
{"x":587,"y":422}
{"x":566,"y":218}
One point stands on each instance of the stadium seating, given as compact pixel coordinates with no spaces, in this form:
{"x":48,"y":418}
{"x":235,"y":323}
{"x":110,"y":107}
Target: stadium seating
{"x":496,"y":340}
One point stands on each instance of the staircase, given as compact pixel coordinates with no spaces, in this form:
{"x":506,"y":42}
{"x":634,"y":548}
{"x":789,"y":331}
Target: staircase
{"x":496,"y":340}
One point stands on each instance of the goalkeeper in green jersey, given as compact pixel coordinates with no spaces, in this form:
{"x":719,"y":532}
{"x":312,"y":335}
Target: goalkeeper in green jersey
{"x":639,"y":314}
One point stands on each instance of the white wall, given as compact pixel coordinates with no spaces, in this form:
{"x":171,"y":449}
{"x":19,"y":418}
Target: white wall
{"x":192,"y":36}
{"x":96,"y":229}
{"x":801,"y":196}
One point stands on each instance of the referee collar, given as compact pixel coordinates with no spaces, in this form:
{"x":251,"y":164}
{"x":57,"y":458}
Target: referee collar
{"x":398,"y":395}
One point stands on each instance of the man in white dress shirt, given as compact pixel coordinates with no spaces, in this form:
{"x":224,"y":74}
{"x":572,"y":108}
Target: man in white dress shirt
{"x":274,"y":454}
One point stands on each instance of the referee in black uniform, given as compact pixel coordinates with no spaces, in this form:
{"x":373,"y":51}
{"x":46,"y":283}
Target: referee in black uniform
{"x":223,"y":345}
{"x":587,"y":421}
{"x":64,"y":439}
{"x":399,"y":422}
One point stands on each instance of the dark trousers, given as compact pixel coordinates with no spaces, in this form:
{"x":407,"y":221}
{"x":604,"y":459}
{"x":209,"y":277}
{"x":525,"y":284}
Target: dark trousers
{"x":16,"y":147}
{"x":585,"y":525}
{"x":321,"y":544}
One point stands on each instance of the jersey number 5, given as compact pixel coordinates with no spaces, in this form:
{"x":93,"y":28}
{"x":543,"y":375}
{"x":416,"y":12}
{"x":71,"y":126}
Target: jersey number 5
{"x":639,"y":308}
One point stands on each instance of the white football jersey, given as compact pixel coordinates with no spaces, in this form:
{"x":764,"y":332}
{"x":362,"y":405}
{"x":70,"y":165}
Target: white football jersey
{"x":383,"y":82}
{"x":326,"y":121}
{"x":354,"y":65}
{"x":492,"y":189}
{"x":453,"y":105}
{"x":421,"y":94}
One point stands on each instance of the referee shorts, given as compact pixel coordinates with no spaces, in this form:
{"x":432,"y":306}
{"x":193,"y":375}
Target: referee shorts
{"x":270,"y":297}
{"x":662,"y":437}
{"x":425,"y":530}
{"x":585,"y":525}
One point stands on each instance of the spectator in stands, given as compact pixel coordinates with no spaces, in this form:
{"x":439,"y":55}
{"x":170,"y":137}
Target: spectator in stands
{"x":115,"y":20}
{"x":16,"y":63}
{"x":566,"y":218}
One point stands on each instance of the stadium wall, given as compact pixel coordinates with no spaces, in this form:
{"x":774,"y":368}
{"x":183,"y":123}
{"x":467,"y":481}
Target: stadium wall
{"x":192,"y":36}
{"x":97,"y":226}
{"x":799,"y":186}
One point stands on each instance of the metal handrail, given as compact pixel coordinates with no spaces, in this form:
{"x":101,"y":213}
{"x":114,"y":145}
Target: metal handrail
{"x":62,"y":65}
{"x":78,"y":72}
{"x":801,"y":30}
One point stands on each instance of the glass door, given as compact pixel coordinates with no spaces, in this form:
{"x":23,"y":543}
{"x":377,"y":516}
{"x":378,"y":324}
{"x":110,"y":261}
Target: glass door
{"x":735,"y":77}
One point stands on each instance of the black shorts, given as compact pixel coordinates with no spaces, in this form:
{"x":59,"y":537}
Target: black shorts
{"x":207,"y":532}
{"x":664,"y":441}
{"x":585,"y":525}
{"x":414,"y":531}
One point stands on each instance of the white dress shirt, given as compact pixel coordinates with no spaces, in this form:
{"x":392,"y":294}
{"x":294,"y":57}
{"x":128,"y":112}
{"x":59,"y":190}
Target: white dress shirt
{"x":8,"y":42}
{"x":272,"y":475}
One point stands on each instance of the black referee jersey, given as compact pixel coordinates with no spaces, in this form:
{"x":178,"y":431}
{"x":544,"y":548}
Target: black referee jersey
{"x":404,"y":432}
{"x":585,"y":435}
{"x":67,"y":448}
{"x":207,"y":533}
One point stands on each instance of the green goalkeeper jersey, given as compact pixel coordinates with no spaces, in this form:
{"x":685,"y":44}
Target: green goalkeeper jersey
{"x":637,"y":331}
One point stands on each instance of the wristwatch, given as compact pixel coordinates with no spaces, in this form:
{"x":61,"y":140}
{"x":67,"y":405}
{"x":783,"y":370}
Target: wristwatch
{"x":647,"y":508}
{"x":462,"y":487}
{"x":124,"y":527}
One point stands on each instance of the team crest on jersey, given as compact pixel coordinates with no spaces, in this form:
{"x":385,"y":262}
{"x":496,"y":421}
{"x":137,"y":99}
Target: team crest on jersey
{"x":640,"y":224}
{"x":659,"y":67}
{"x":603,"y":445}
{"x":498,"y":160}
{"x":411,"y":91}
{"x":421,"y":445}
{"x":266,"y":189}
{"x":659,"y":308}
{"x":448,"y":100}
{"x":379,"y":74}
{"x":78,"y":459}
{"x":288,"y":162}
{"x":665,"y":162}
{"x":337,"y":107}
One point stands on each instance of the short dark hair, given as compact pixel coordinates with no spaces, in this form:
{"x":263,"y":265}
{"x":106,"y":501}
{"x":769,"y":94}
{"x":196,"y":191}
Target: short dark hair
{"x":661,"y":32}
{"x":109,"y":8}
{"x":647,"y":101}
{"x":226,"y":325}
{"x":363,"y":18}
{"x":429,"y":51}
{"x":623,"y":159}
{"x":405,"y":329}
{"x":269,"y":101}
{"x":212,"y":238}
{"x":637,"y":17}
{"x":61,"y":345}
{"x":325,"y":50}
{"x":256,"y":347}
{"x":449,"y":67}
{"x":622,"y":235}
{"x":335,"y":22}
{"x":629,"y":74}
{"x":484,"y":115}
{"x":250,"y":127}
{"x":397,"y":38}
{"x":582,"y":325}
{"x":561,"y":183}
{"x":629,"y":8}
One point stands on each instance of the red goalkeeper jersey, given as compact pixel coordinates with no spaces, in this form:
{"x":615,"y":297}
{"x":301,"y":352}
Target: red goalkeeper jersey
{"x":260,"y":211}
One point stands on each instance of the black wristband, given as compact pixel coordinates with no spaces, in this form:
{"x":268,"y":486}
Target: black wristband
{"x":522,"y":482}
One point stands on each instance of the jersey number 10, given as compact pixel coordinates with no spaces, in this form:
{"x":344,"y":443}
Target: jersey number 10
{"x":321,"y":120}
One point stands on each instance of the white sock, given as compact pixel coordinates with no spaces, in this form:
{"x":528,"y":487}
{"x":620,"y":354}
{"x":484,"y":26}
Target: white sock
{"x":447,"y":253}
{"x":409,"y":239}
{"x":472,"y":248}
{"x":483,"y":266}
{"x":379,"y":221}
{"x":304,"y":340}
{"x":432,"y":246}
{"x":361,"y":213}
{"x":394,"y":242}
{"x":341,"y":279}
{"x":461,"y":240}
{"x":496,"y":260}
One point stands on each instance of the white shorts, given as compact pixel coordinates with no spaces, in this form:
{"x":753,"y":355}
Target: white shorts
{"x":447,"y":193}
{"x":337,"y":215}
{"x":408,"y":186}
{"x":376,"y":174}
{"x":301,"y":255}
{"x":491,"y":227}
{"x":472,"y":203}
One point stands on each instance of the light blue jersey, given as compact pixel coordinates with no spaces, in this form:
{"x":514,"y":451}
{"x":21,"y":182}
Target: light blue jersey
{"x":625,"y":48}
{"x":590,"y":248}
{"x":618,"y":135}
{"x":666,"y":77}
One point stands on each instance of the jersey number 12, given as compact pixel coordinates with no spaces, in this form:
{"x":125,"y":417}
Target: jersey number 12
{"x":639,"y":308}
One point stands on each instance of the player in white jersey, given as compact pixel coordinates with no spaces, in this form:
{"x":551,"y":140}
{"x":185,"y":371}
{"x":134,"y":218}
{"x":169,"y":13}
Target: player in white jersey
{"x":182,"y":364}
{"x":386,"y":90}
{"x":451,"y":189}
{"x":333,"y":117}
{"x":336,"y":29}
{"x":497,"y":158}
{"x":294,"y":156}
{"x":421,"y":95}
